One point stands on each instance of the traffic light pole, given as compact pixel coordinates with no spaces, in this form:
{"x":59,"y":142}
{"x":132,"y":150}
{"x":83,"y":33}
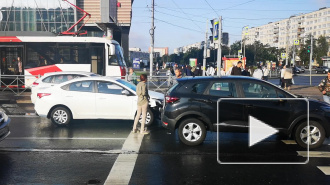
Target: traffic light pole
{"x":310,"y":62}
{"x":152,"y":39}
{"x":219,"y":46}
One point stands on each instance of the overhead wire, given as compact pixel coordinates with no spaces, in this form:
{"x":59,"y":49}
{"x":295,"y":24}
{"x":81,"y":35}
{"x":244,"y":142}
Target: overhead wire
{"x":178,"y":26}
{"x":187,"y":15}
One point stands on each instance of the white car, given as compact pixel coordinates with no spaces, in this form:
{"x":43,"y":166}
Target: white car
{"x":50,"y":79}
{"x":93,"y":98}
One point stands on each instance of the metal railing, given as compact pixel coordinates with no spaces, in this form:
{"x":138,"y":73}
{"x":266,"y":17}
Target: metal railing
{"x":17,"y":84}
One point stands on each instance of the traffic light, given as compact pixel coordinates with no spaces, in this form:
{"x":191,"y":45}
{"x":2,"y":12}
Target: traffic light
{"x":308,"y":49}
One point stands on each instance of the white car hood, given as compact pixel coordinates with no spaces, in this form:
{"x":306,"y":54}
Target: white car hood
{"x":156,"y":95}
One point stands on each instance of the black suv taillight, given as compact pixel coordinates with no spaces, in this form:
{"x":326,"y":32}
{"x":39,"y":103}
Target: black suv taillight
{"x":170,"y":99}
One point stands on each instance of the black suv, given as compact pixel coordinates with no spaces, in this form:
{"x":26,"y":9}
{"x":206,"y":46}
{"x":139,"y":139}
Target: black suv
{"x":191,"y":107}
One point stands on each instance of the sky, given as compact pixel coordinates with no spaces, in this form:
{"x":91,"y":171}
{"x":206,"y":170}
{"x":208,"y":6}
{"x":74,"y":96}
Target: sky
{"x":183,"y":22}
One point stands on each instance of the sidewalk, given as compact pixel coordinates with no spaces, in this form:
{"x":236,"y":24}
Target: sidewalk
{"x":307,"y":91}
{"x":21,"y":105}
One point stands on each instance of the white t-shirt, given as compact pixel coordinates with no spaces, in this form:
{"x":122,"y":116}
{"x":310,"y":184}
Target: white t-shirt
{"x":257,"y":74}
{"x":266,"y":72}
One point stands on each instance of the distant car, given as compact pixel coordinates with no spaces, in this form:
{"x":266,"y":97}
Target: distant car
{"x":301,"y":68}
{"x":93,"y":98}
{"x":321,"y":69}
{"x":296,"y":70}
{"x":50,"y":79}
{"x":4,"y":128}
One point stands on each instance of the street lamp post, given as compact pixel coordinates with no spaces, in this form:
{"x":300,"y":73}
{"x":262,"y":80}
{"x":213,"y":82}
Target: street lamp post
{"x":243,"y":37}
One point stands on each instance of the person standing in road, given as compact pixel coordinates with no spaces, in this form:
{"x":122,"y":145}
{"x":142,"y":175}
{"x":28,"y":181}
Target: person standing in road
{"x":324,"y":87}
{"x":287,"y":77}
{"x":132,"y":76}
{"x":237,"y":69}
{"x":142,"y":104}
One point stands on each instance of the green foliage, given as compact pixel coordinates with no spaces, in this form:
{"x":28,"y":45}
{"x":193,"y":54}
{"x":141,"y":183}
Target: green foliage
{"x":320,"y":49}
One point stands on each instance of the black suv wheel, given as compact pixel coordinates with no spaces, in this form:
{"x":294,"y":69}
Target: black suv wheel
{"x":192,"y":132}
{"x":316,"y":135}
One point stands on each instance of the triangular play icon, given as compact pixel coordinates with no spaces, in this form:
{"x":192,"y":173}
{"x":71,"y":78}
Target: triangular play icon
{"x":259,"y":131}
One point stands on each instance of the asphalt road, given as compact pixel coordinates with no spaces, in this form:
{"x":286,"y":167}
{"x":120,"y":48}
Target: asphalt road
{"x":39,"y":153}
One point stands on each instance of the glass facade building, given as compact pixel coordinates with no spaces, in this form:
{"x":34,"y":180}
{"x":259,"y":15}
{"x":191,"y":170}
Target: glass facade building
{"x":36,"y":15}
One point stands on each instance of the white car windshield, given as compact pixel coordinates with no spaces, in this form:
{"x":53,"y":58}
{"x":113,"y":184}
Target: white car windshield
{"x":127,"y":84}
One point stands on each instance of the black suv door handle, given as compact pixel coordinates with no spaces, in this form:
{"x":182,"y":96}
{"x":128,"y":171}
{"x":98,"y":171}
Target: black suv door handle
{"x":248,"y":106}
{"x":208,"y":101}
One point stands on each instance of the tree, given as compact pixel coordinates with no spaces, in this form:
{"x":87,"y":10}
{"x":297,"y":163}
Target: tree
{"x":235,"y":47}
{"x":322,"y":49}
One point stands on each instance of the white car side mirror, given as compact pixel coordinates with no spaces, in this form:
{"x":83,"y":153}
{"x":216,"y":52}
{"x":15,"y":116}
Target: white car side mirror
{"x":125,"y":92}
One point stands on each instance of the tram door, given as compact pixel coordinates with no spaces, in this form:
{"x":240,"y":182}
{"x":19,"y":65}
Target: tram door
{"x":8,"y":57}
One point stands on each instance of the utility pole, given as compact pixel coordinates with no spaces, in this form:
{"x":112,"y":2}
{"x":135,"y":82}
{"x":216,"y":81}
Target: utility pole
{"x":205,"y":51}
{"x":219,"y":46}
{"x":152,"y":37}
{"x":310,"y":62}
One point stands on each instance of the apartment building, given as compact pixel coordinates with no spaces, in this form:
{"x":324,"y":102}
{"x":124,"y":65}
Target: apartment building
{"x":184,"y":49}
{"x":297,"y":27}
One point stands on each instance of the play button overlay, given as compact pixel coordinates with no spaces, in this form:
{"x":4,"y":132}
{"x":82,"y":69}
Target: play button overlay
{"x":259,"y":131}
{"x":253,"y":130}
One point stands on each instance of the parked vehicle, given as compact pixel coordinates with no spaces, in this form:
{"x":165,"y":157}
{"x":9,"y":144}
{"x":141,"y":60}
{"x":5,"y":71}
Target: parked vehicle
{"x":321,"y":69}
{"x":296,"y":70}
{"x":191,"y":107}
{"x":50,"y":79}
{"x":4,"y":126}
{"x":93,"y":98}
{"x":302,"y":69}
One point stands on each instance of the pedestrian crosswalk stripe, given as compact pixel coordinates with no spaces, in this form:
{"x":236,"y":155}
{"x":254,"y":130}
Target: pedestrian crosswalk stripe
{"x":122,"y":170}
{"x":325,"y":169}
{"x":313,"y":154}
{"x":289,"y":142}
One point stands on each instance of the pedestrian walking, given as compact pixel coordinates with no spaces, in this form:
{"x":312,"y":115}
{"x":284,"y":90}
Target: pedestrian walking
{"x":210,"y":71}
{"x":19,"y":66}
{"x":265,"y":72}
{"x":178,"y":74}
{"x":142,"y":104}
{"x":282,"y":77}
{"x":222,"y":72}
{"x":132,"y":76}
{"x":188,"y":71}
{"x":237,"y":69}
{"x":258,"y":73}
{"x":287,"y":77}
{"x":246,"y":72}
{"x":324,"y":87}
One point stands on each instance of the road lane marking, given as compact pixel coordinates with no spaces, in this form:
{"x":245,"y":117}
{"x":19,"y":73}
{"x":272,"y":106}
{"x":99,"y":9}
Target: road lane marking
{"x":289,"y":142}
{"x":122,"y":169}
{"x":61,"y":138}
{"x":325,"y":169}
{"x":314,"y":154}
{"x":64,"y":151}
{"x":31,"y":115}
